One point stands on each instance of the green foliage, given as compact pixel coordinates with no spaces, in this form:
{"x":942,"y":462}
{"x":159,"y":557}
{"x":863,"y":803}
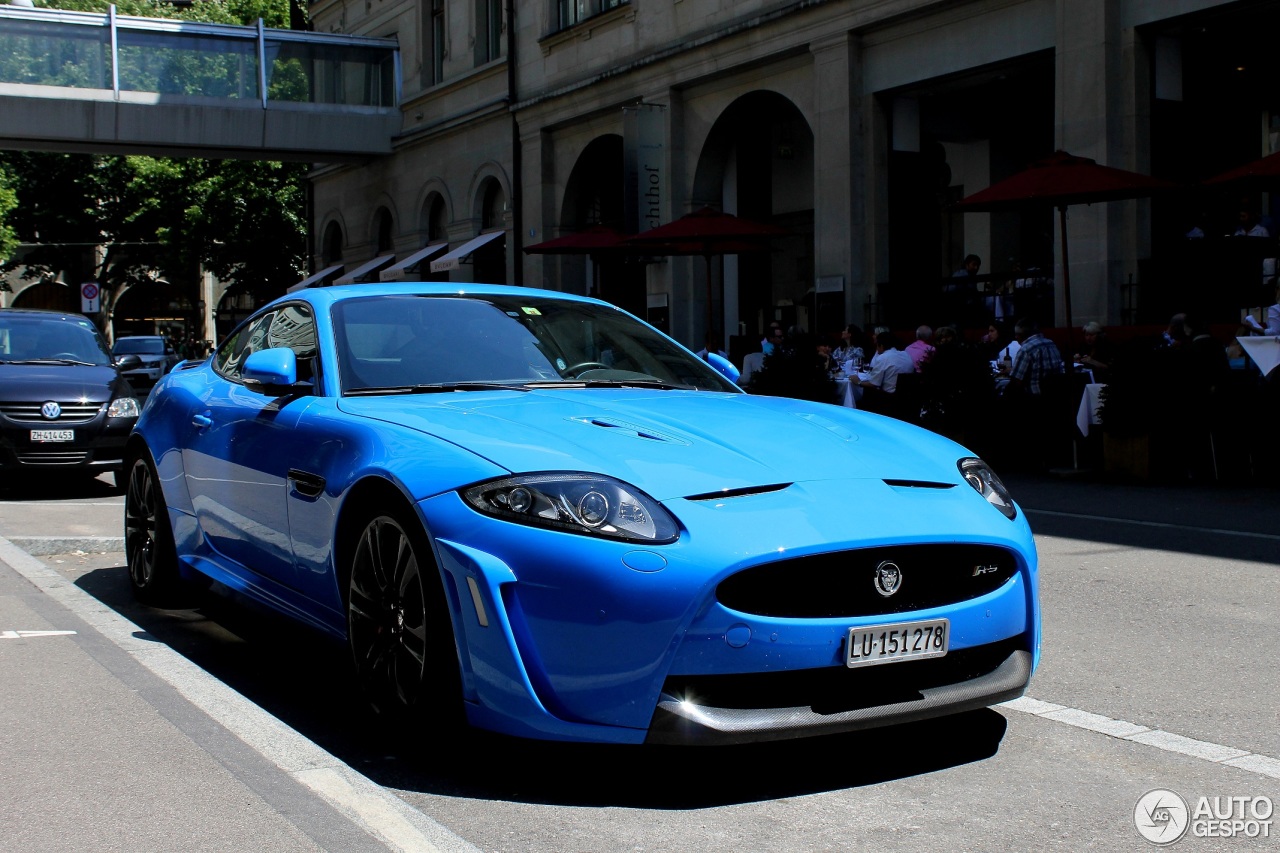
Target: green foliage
{"x":244,"y":221}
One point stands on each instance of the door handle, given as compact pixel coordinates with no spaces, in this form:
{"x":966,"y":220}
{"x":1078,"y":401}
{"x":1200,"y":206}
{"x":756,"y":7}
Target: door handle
{"x":201,"y":421}
{"x":305,"y":483}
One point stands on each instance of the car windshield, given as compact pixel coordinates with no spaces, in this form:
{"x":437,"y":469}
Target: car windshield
{"x":139,"y":346}
{"x":410,"y":342}
{"x":35,"y":338}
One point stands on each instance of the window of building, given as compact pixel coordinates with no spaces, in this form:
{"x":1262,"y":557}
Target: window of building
{"x":494,"y":207}
{"x":575,"y":11}
{"x":488,"y":30}
{"x":384,"y":225}
{"x":435,"y":216}
{"x":332,"y":251}
{"x":434,"y":43}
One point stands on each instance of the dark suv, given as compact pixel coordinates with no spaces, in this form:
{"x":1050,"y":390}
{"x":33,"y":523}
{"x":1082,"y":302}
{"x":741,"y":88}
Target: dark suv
{"x":64,"y":404}
{"x":157,"y":355}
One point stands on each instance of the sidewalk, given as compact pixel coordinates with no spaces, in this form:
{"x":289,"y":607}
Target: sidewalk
{"x":112,"y":741}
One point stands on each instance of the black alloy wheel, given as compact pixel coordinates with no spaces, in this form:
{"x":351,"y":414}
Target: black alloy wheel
{"x":148,"y":539}
{"x":398,"y":625}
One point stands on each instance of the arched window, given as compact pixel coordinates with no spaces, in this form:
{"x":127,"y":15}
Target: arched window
{"x":492,"y":213}
{"x":436,"y":223}
{"x":383,"y":230}
{"x":332,"y":251}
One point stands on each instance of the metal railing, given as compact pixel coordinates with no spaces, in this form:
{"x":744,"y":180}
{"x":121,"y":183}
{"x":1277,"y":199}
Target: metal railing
{"x":84,"y":50}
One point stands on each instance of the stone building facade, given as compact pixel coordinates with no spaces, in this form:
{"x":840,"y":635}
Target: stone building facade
{"x":853,"y":124}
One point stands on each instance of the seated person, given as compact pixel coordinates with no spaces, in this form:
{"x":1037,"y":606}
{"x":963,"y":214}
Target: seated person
{"x":1272,"y":326}
{"x":890,"y":361}
{"x":1097,"y":354}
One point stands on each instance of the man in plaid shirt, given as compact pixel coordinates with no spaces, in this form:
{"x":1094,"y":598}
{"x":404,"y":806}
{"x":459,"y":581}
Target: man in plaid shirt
{"x":1037,"y":358}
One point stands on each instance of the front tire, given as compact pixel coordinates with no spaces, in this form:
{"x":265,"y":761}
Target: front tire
{"x":398,"y":624}
{"x":148,"y":538}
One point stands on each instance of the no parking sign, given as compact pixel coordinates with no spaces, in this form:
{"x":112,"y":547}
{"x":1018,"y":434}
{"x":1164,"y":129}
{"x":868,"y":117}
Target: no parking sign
{"x":90,"y":298}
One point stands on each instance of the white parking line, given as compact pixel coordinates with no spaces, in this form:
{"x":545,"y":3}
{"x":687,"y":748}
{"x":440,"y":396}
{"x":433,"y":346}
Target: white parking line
{"x":370,"y":806}
{"x":1215,"y":753}
{"x":1158,"y":524}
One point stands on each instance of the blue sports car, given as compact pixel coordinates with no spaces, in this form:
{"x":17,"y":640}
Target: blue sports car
{"x":533,"y":513}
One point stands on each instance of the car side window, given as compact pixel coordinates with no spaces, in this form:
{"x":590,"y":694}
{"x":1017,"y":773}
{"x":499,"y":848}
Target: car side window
{"x":290,"y":326}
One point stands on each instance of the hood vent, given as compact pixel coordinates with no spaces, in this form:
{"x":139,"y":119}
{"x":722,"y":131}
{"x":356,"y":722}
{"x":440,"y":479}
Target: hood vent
{"x":738,"y":493}
{"x":628,"y":429}
{"x":918,"y":484}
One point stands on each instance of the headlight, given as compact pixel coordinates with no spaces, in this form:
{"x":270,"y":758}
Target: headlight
{"x":123,"y":407}
{"x":588,"y":504}
{"x":985,"y":482}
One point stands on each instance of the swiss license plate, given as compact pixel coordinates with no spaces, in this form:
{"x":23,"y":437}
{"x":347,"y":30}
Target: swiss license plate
{"x":869,"y":646}
{"x":53,"y":435}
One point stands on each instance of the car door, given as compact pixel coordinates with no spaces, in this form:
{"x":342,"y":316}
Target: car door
{"x":243,"y":445}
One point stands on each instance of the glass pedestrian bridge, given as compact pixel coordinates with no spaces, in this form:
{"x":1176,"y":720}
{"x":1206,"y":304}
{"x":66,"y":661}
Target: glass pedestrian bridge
{"x":81,"y":81}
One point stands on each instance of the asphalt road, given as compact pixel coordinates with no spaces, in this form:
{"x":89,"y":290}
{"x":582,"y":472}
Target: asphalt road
{"x":1158,"y":673}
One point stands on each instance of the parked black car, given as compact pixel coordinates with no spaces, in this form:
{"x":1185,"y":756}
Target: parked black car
{"x":65,"y":405}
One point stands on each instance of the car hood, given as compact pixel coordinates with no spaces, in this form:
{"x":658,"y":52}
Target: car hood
{"x":673,"y":443}
{"x":28,"y":383}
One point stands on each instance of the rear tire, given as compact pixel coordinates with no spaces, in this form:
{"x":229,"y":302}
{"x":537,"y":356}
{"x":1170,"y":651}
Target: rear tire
{"x":399,"y":627}
{"x":149,"y":551}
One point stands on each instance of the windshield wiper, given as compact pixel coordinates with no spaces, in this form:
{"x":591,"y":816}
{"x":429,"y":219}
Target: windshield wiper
{"x":74,"y":361}
{"x":434,"y":388}
{"x":613,"y":383}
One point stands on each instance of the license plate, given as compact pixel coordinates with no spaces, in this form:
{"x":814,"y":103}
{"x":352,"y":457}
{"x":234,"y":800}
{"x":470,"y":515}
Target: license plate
{"x":53,"y":435}
{"x":901,"y":641}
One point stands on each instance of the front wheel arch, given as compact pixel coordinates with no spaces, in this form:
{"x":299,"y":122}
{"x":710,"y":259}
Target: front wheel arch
{"x":374,"y":501}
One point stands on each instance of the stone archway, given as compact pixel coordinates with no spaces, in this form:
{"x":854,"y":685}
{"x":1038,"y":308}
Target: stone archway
{"x":594,"y":195}
{"x":757,"y":163}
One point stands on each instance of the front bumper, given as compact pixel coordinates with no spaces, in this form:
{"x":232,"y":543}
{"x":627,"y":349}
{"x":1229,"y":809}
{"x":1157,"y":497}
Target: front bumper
{"x":98,"y":446}
{"x":568,"y":637}
{"x":687,"y":721}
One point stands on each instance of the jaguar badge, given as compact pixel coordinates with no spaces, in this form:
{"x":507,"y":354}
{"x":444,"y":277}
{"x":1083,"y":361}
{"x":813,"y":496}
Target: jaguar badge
{"x":888,"y":578}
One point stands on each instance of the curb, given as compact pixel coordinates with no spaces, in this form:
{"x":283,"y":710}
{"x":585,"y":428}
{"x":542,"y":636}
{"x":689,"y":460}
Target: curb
{"x":46,"y":546}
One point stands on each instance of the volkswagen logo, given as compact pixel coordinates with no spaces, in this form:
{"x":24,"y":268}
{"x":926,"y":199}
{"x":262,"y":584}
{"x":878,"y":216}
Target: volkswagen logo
{"x":888,"y":578}
{"x":51,"y":411}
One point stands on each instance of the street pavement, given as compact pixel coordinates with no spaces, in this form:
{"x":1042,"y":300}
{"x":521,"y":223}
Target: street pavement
{"x":196,"y":730}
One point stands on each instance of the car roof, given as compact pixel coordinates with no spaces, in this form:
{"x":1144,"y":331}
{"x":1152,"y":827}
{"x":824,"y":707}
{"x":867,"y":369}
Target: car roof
{"x":45,"y":312}
{"x":325,"y":296}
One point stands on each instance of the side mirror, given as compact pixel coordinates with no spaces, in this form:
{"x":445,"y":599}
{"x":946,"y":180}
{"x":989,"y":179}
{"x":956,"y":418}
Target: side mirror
{"x":273,"y":372}
{"x":724,"y":366}
{"x":128,"y":362}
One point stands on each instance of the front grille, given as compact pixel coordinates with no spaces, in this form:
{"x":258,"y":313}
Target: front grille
{"x":52,"y":457}
{"x":835,"y":689}
{"x":844,"y":583}
{"x":72,"y":413}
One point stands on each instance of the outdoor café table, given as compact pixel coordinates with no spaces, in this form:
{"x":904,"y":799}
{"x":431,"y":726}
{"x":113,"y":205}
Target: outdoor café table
{"x":1265,"y":352}
{"x":844,"y":392}
{"x":1090,"y":405}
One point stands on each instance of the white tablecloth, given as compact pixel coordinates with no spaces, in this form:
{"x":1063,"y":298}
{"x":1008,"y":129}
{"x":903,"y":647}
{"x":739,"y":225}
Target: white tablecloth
{"x":844,"y":390}
{"x":1090,"y":405}
{"x":1265,"y":352}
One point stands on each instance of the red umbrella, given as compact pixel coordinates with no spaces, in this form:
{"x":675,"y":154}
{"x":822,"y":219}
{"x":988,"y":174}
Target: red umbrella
{"x":707,"y":232}
{"x":589,"y":241}
{"x":597,"y":241}
{"x":1263,"y":173}
{"x":1058,"y":181}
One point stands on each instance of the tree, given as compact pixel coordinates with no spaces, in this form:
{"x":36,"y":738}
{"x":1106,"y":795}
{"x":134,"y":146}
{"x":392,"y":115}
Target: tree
{"x":8,"y":201}
{"x":124,"y":220}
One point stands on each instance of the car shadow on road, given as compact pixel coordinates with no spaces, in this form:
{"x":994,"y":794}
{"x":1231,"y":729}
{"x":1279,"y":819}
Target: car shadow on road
{"x":306,"y":680}
{"x":57,"y":486}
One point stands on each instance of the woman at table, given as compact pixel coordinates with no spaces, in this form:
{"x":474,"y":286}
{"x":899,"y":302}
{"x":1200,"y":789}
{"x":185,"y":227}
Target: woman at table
{"x":1273,"y":319}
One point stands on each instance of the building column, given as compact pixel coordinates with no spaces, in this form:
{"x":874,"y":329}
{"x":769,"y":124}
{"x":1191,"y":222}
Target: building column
{"x":839,"y":157}
{"x":1095,"y":117}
